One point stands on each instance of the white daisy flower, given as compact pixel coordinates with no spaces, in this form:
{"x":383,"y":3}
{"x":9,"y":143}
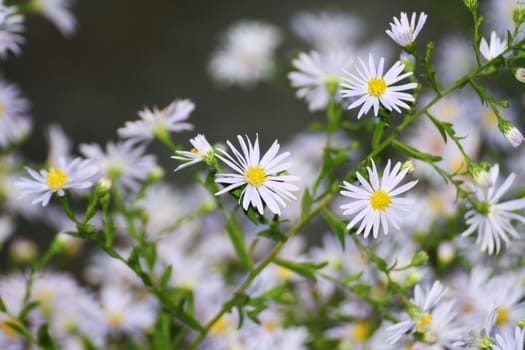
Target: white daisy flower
{"x":14,"y":121}
{"x":11,"y":25}
{"x":201,"y":151}
{"x":155,"y":121}
{"x":403,"y":31}
{"x":376,"y":202}
{"x":246,"y":55}
{"x":494,"y":48}
{"x":59,"y":13}
{"x":122,"y":161}
{"x":76,"y":174}
{"x":507,"y":341}
{"x":492,"y":220}
{"x":318,"y":76}
{"x":327,"y":31}
{"x":262,"y":178}
{"x":372,"y":87}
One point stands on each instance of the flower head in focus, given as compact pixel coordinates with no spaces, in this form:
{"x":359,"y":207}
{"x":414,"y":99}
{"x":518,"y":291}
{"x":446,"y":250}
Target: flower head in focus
{"x":403,"y":31}
{"x":262,"y":177}
{"x":371,"y":87}
{"x":376,"y":203}
{"x":490,"y":219}
{"x":317,"y":78}
{"x":11,"y":25}
{"x":201,"y":151}
{"x":246,"y":55}
{"x":77,"y":174}
{"x":156,"y":122}
{"x":493,"y":49}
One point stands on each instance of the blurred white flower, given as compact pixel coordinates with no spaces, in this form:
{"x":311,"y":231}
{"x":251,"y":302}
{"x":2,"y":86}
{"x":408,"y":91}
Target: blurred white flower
{"x":77,"y":174}
{"x":371,"y":87}
{"x":317,"y":78}
{"x":158,"y":121}
{"x":455,"y":58}
{"x":375,"y":204}
{"x":14,"y":121}
{"x":508,"y":341}
{"x":123,"y":162}
{"x":59,"y":145}
{"x":492,"y":220}
{"x":246,"y":54}
{"x":11,"y":27}
{"x":59,"y":13}
{"x":493,"y":49}
{"x":403,"y":31}
{"x":260,"y":176}
{"x":327,"y":31}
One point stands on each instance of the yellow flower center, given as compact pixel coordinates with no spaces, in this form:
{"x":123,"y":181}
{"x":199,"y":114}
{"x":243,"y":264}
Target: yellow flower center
{"x":114,"y":319}
{"x":270,"y":326}
{"x":194,"y":151}
{"x":502,"y":316}
{"x":380,"y":200}
{"x":361,"y":331}
{"x":56,"y":179}
{"x":255,"y":176}
{"x":2,"y":110}
{"x":376,"y":87}
{"x":219,"y":327}
{"x":423,"y":322}
{"x":283,"y":273}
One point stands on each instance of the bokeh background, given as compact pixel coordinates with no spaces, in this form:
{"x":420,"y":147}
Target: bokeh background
{"x":128,"y":54}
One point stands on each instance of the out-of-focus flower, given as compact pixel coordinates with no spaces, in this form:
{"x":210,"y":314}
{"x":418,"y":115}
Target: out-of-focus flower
{"x":499,"y":14}
{"x":508,"y":341}
{"x":327,"y":31}
{"x":156,"y":122}
{"x":14,"y":121}
{"x":260,"y":176}
{"x":59,"y":145}
{"x":317,"y":78}
{"x":11,"y":25}
{"x":492,"y":220}
{"x":77,"y":174}
{"x":455,"y":58}
{"x":375,"y":203}
{"x":246,"y":54}
{"x":403,"y":31}
{"x":371,"y":87}
{"x":202,"y":151}
{"x":493,"y":49}
{"x":59,"y":13}
{"x":122,"y":162}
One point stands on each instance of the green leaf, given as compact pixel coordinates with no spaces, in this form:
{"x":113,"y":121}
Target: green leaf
{"x":306,"y":203}
{"x":133,"y":260}
{"x":182,"y":316}
{"x":379,"y":131}
{"x":304,"y":269}
{"x":414,"y":153}
{"x":352,"y":278}
{"x":165,"y":278}
{"x":2,"y":305}
{"x":237,"y":238}
{"x":44,"y":339}
{"x":336,"y":225}
{"x":274,"y":234}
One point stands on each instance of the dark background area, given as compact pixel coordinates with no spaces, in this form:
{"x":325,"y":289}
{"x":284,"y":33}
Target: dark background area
{"x":128,"y":54}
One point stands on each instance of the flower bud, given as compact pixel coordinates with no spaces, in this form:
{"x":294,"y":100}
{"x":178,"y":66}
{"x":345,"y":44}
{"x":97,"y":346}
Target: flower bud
{"x":446,"y":253}
{"x":511,"y":133}
{"x":156,"y":174}
{"x":420,"y":258}
{"x":472,"y":5}
{"x":518,"y":14}
{"x":520,"y":74}
{"x":409,"y":61}
{"x":332,"y":84}
{"x":479,"y":173}
{"x":410,"y":165}
{"x":521,"y":323}
{"x":104,"y":185}
{"x":23,"y":251}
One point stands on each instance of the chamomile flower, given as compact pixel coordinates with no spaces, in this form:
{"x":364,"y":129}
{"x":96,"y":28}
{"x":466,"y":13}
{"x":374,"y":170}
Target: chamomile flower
{"x":11,"y":25}
{"x":494,"y":48}
{"x":490,"y":219}
{"x":59,"y":13}
{"x":158,"y":121}
{"x":77,"y":174}
{"x":403,"y":31}
{"x":201,"y":151}
{"x":261,"y":177}
{"x":317,"y":78}
{"x":376,"y":202}
{"x":372,"y":87}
